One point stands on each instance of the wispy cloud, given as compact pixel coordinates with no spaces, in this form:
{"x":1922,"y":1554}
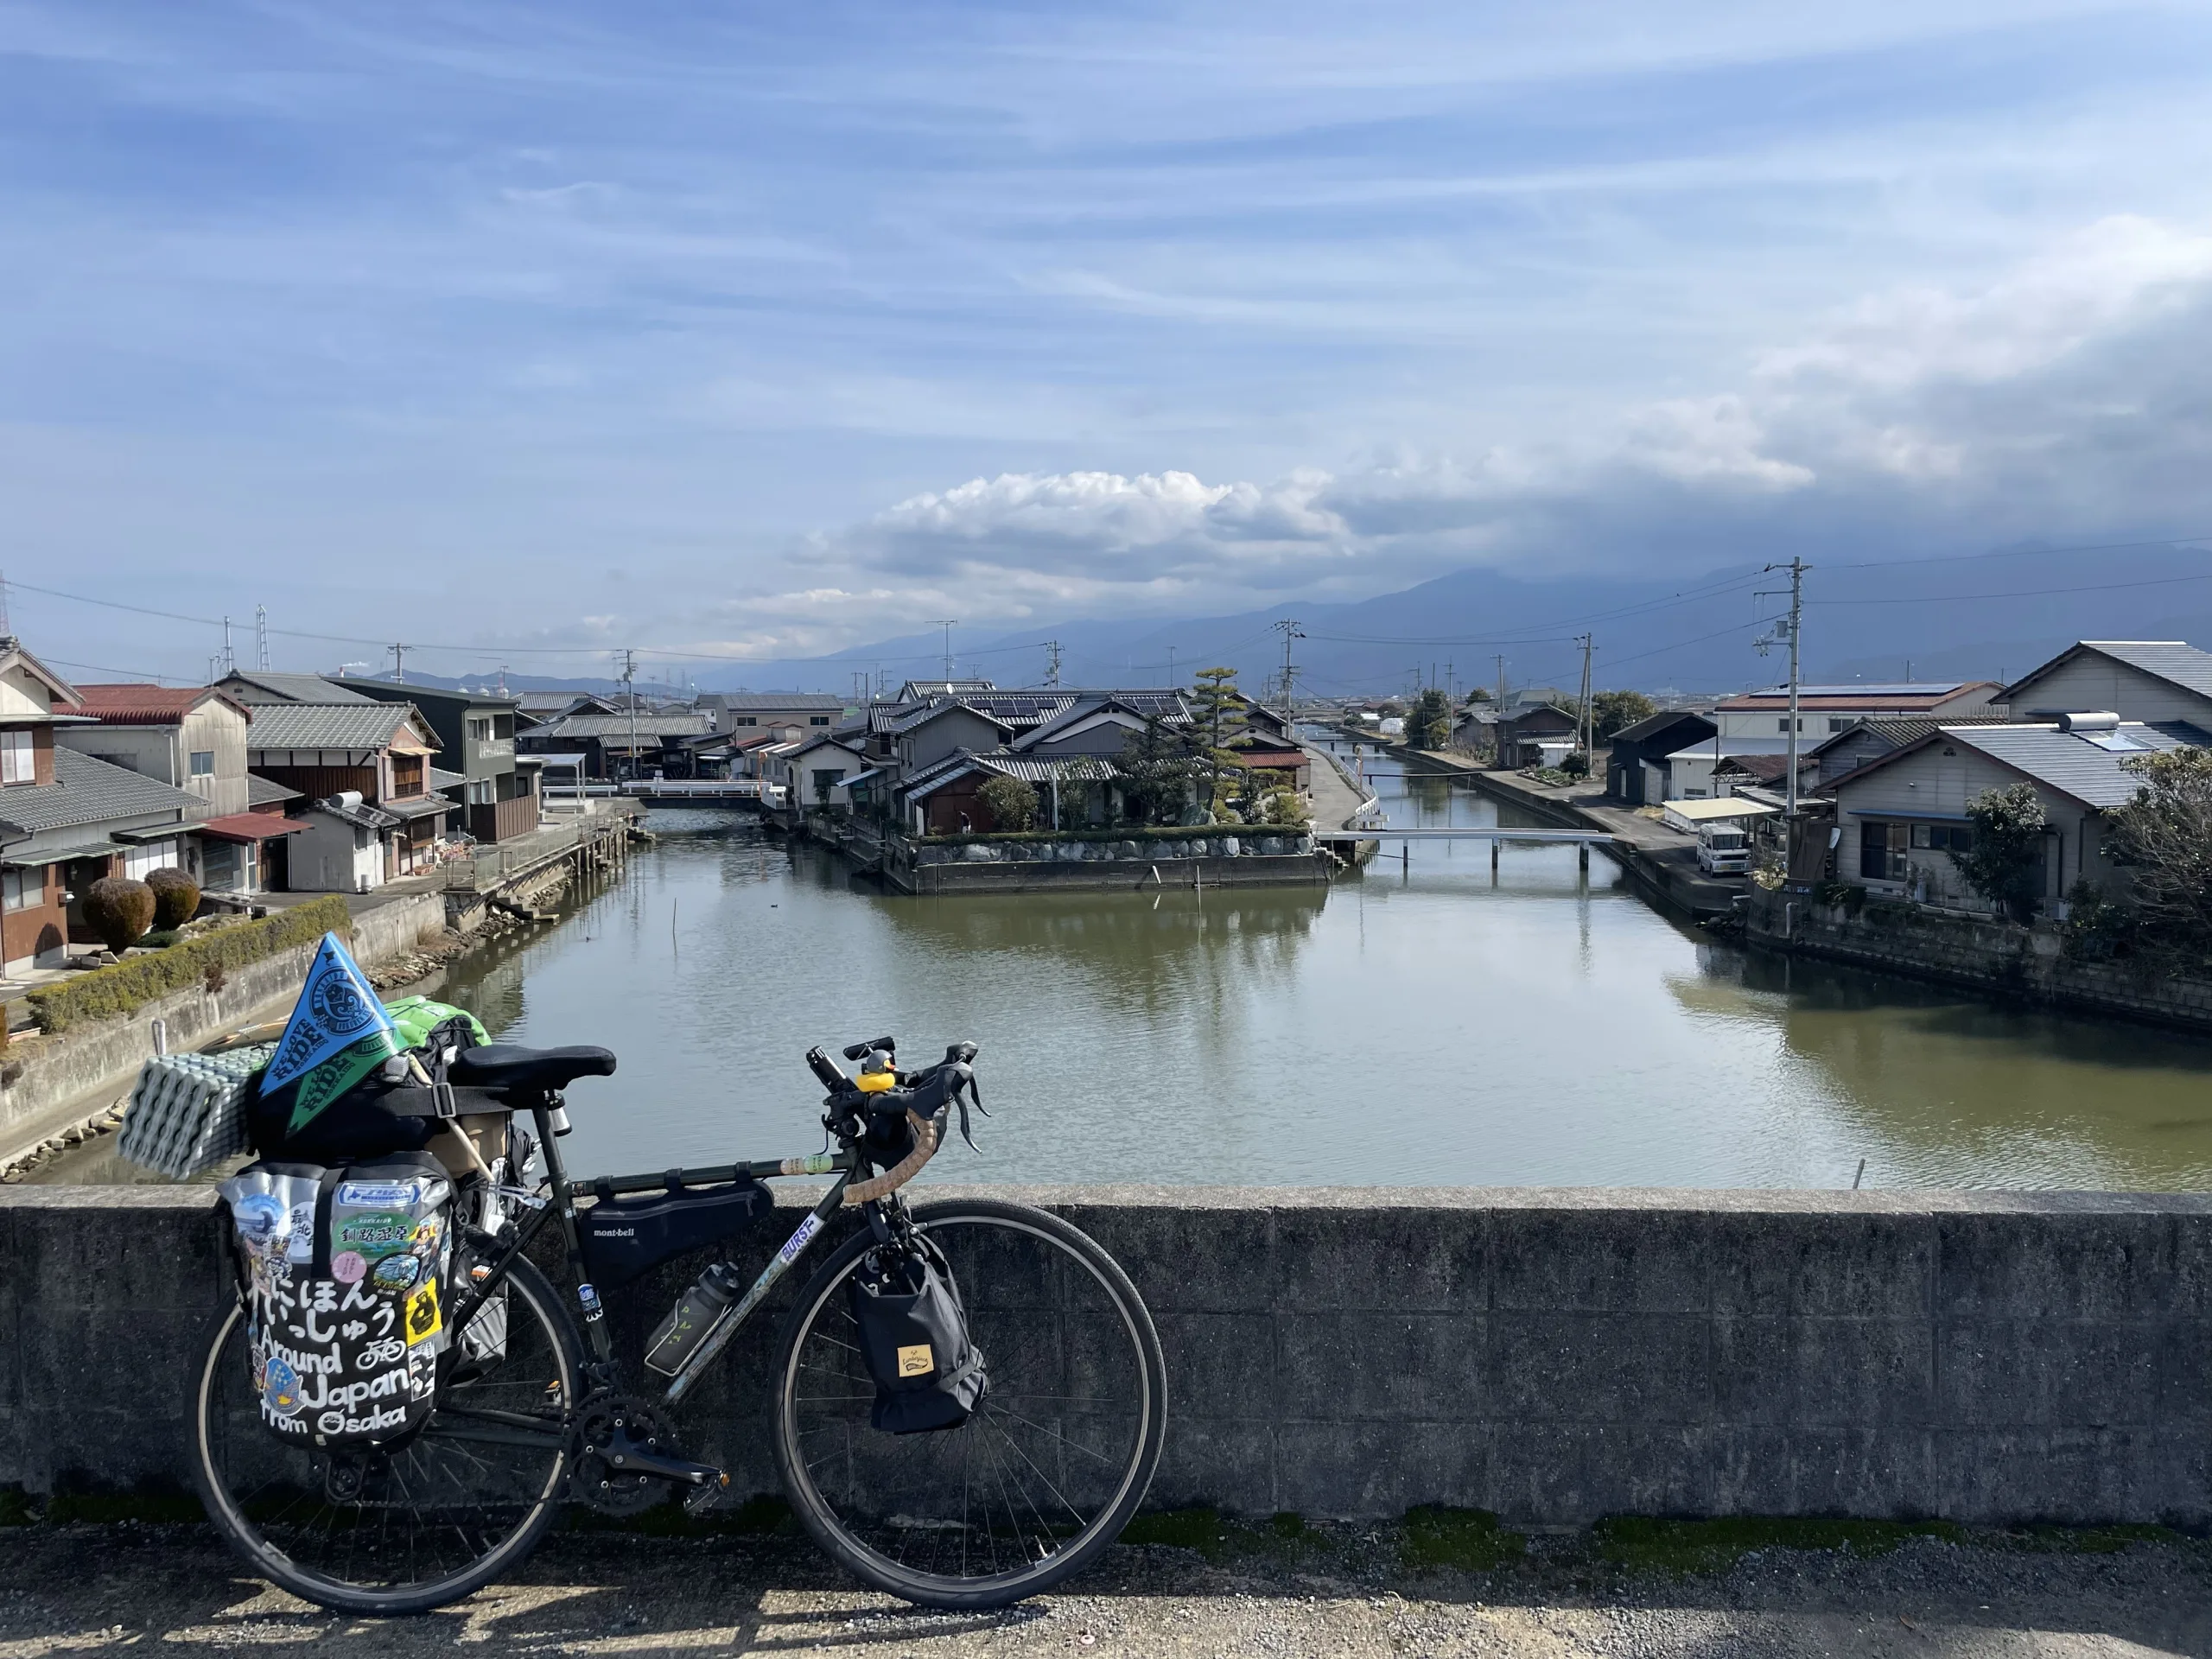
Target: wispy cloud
{"x":766,"y":325}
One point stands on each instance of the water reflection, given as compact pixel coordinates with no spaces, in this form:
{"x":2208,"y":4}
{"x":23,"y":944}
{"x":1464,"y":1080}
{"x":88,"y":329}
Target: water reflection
{"x":1435,"y":1022}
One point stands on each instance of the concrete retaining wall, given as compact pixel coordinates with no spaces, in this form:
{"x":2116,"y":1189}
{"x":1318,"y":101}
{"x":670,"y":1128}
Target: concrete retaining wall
{"x":81,"y":1066}
{"x":1551,"y":1355}
{"x":1984,"y":955}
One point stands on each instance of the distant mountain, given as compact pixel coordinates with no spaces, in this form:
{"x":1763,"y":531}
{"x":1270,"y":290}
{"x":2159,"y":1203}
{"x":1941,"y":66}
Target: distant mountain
{"x":1977,"y":618}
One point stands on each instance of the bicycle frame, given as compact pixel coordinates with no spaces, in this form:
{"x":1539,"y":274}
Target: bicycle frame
{"x":561,"y":1204}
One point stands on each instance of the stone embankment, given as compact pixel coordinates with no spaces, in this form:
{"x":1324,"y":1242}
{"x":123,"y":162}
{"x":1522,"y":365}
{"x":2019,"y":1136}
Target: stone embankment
{"x":1243,"y":858}
{"x":1983,"y":954}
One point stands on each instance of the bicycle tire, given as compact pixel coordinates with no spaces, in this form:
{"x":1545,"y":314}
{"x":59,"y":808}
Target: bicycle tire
{"x":836,"y":1530}
{"x":228,"y":1511}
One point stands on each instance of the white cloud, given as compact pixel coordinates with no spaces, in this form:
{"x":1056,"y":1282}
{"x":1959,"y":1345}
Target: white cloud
{"x":2060,"y":397}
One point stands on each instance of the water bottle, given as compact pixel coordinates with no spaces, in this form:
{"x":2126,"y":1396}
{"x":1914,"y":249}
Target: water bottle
{"x":686,"y":1326}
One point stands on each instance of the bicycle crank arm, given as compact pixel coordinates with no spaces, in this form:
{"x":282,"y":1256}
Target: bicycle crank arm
{"x":636,"y":1460}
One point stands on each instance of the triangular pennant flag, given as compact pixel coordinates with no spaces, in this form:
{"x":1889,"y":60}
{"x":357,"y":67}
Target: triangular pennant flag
{"x":337,"y":1026}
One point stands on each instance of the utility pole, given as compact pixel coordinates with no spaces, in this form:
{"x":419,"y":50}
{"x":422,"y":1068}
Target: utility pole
{"x":1053,"y":667}
{"x":261,"y":638}
{"x":1586,"y":728}
{"x":230,"y":661}
{"x":7,"y":627}
{"x":399,"y":661}
{"x":1500,"y":681}
{"x":948,"y":623}
{"x":1171,"y":664}
{"x":1796,"y":569}
{"x":1289,"y":629}
{"x":630,"y":683}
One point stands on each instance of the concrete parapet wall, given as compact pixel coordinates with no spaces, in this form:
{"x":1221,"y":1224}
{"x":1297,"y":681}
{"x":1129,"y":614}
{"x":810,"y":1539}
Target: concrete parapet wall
{"x":1984,"y":955}
{"x":1551,"y":1355}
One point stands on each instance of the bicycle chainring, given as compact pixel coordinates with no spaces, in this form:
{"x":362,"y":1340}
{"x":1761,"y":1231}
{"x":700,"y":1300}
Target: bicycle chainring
{"x":607,"y":1427}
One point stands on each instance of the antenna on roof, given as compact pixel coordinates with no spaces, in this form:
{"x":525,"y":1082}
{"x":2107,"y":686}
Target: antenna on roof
{"x":261,"y":638}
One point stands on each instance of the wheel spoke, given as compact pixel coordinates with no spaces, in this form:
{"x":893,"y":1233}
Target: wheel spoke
{"x":1051,"y":1461}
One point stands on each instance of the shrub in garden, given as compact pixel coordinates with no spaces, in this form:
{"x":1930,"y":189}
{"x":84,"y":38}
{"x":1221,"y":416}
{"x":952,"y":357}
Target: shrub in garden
{"x":120,"y":910}
{"x":1013,"y":803}
{"x":176,"y":896}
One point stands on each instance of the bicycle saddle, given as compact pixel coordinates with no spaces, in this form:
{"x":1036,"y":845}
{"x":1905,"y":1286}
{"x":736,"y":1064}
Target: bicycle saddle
{"x":510,"y":1065}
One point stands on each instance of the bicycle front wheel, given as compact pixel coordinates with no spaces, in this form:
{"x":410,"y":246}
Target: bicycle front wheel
{"x":404,"y":1528}
{"x":1040,"y":1479}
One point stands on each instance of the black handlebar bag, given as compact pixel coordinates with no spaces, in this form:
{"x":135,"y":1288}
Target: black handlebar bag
{"x":914,"y":1341}
{"x":343,"y":1274}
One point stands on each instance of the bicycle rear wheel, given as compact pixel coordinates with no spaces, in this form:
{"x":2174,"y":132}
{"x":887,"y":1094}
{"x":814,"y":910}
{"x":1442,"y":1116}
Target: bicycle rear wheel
{"x":412,"y":1526}
{"x":1045,"y":1474}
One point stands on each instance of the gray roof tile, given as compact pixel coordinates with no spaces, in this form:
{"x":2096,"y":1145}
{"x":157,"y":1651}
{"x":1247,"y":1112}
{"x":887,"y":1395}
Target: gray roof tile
{"x":357,"y":723}
{"x":2073,"y":765}
{"x":85,"y":791}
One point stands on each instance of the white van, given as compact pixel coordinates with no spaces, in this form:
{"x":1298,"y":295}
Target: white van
{"x":1723,"y":849}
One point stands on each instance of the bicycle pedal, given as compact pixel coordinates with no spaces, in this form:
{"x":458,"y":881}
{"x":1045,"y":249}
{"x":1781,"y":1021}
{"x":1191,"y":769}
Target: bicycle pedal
{"x":701,"y":1498}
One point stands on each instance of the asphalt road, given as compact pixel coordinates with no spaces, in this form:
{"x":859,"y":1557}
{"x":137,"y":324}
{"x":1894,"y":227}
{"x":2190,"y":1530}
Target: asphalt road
{"x":91,"y":1589}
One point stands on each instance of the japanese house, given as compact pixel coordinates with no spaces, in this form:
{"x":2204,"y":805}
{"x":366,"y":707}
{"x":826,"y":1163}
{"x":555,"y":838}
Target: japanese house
{"x":496,"y":789}
{"x":372,"y":813}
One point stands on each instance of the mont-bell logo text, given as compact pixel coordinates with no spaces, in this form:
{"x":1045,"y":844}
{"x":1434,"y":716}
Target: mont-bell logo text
{"x":613,"y":1232}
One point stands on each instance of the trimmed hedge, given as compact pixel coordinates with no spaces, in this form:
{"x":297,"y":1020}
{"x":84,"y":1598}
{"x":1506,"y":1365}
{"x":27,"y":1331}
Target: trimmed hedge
{"x":109,"y":993}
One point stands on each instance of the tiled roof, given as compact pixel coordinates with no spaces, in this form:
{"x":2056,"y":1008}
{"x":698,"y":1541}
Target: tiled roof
{"x":267,"y":791}
{"x":262,"y":686}
{"x":1067,"y":769}
{"x":1898,"y":732}
{"x":749,"y":703}
{"x":1845,"y":699}
{"x":356,"y":723}
{"x":2173,"y":660}
{"x":2071,"y":763}
{"x":85,"y":791}
{"x":602,"y":726}
{"x":923,"y":715}
{"x":149,"y":705}
{"x":1652,"y":725}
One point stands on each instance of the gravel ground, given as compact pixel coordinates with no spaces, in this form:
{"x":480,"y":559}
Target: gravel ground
{"x":86,"y":1589}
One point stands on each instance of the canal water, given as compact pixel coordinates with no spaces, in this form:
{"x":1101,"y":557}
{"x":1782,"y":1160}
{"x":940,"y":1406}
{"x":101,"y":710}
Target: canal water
{"x":1424,"y":1023}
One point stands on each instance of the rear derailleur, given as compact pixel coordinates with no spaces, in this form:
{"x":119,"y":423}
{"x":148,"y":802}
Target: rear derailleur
{"x":625,"y":1458}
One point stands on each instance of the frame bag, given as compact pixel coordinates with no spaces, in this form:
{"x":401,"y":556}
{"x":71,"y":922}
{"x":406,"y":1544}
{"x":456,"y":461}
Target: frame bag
{"x":914,"y":1341}
{"x":625,"y":1237}
{"x":343,"y":1274}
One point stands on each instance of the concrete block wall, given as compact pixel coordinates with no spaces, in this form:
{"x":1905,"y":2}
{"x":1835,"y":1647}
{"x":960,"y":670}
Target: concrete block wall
{"x":1984,"y":956}
{"x":1550,"y":1356}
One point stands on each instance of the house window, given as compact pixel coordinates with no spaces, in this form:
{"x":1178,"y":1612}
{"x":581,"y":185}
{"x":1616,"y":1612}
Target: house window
{"x":479,"y":728}
{"x":483,"y":791}
{"x":1882,"y":850}
{"x":17,"y":763}
{"x":1782,"y":725}
{"x":744,"y":720}
{"x":817,"y":720}
{"x":1840,"y":724}
{"x":1943,"y":838}
{"x":23,"y":889}
{"x":203,"y":763}
{"x":140,"y":862}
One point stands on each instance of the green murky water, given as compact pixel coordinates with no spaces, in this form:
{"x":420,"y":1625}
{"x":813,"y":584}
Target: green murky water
{"x":1424,"y":1024}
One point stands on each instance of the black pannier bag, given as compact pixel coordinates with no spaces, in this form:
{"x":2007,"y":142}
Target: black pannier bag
{"x":914,"y":1341}
{"x":344,"y":1275}
{"x":625,"y":1237}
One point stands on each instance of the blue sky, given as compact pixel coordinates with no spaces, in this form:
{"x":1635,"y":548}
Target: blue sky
{"x":749,"y":331}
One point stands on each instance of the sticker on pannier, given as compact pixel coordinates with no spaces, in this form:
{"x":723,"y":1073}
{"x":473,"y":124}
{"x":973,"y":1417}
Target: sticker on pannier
{"x":343,"y":1345}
